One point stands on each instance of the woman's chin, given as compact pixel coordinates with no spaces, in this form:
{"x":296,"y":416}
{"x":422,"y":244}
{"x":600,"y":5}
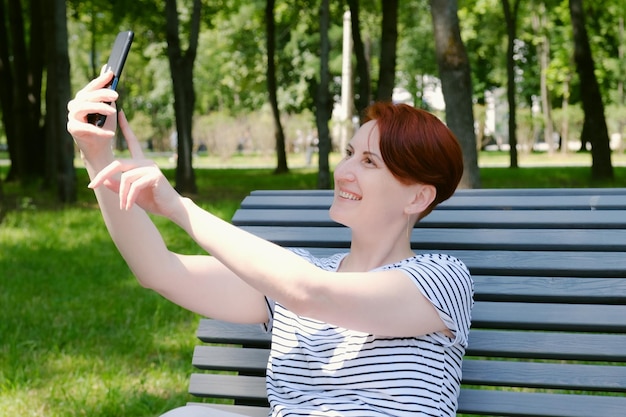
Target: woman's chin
{"x":337,"y":215}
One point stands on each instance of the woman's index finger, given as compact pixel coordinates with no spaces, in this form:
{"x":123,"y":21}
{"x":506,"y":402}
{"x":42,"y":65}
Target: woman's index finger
{"x":131,"y":140}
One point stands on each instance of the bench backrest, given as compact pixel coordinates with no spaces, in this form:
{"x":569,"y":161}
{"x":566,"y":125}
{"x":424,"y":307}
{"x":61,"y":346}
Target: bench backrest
{"x":549,"y":324}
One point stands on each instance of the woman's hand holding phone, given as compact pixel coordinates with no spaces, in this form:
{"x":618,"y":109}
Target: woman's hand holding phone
{"x":116,"y":62}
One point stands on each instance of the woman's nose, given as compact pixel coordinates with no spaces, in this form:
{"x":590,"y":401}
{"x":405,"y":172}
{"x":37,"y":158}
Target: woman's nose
{"x":344,"y":171}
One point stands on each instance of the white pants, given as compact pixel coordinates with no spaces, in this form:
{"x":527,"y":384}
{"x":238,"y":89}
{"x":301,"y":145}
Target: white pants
{"x":199,"y":411}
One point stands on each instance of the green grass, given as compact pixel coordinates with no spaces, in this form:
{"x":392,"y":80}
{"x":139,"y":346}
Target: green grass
{"x":79,"y":336}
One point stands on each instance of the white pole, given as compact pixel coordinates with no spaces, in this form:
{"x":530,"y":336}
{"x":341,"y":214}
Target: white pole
{"x":346,"y":82}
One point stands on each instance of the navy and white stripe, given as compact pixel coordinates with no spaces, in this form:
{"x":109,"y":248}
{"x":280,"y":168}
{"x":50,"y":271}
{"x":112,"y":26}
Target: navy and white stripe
{"x":317,"y":369}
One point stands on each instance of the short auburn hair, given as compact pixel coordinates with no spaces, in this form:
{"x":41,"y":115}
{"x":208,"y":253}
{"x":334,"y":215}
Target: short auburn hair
{"x":417,"y":147}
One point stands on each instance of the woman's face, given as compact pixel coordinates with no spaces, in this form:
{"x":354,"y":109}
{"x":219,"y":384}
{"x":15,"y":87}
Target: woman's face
{"x":366,"y":192}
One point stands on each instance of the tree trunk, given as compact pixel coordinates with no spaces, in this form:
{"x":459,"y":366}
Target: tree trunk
{"x":59,"y":144}
{"x":543,"y":51}
{"x":363,"y":89}
{"x":388,"y":42}
{"x":27,"y":145}
{"x":454,"y":71}
{"x":564,"y":134}
{"x":7,"y":83}
{"x":281,"y":155}
{"x":510,"y":17}
{"x":620,"y":83}
{"x":594,"y":125}
{"x":181,"y":68}
{"x":323,"y":103}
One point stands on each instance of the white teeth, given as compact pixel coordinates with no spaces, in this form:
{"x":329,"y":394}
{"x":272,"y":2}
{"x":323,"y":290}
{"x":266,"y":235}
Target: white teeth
{"x":349,"y":196}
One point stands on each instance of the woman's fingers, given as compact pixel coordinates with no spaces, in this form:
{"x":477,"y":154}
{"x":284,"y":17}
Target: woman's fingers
{"x":133,"y":143}
{"x":94,"y":98}
{"x":131,"y":186}
{"x":97,"y":83}
{"x":115,"y":167}
{"x":134,"y":176}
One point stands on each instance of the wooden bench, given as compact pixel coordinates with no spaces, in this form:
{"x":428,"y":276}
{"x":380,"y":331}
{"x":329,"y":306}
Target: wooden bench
{"x":548,"y":333}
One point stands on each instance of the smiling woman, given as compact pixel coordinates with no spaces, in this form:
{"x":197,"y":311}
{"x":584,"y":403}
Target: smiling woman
{"x":393,"y":324}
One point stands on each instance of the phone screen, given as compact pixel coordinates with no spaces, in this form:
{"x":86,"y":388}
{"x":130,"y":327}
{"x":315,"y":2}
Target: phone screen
{"x":116,"y":62}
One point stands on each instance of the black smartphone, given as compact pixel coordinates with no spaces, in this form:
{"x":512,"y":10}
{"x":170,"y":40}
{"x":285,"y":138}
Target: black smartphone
{"x":116,"y":61}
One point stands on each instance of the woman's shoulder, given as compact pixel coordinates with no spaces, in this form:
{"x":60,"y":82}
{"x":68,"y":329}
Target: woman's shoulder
{"x":437,"y":265}
{"x":425,"y":259}
{"x":330,"y":263}
{"x":438,"y":258}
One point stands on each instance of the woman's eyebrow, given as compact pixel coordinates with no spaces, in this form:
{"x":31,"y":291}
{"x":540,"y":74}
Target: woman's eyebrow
{"x":370,"y":153}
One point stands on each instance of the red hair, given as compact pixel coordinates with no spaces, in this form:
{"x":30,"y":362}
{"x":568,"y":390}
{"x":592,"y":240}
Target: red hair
{"x":417,"y":147}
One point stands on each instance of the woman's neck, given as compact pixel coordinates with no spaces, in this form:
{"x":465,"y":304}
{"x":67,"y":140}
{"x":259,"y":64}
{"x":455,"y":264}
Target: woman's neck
{"x":375,"y":251}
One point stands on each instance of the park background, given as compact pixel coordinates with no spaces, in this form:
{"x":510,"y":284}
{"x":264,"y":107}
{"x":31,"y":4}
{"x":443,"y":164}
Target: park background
{"x":78,"y":335}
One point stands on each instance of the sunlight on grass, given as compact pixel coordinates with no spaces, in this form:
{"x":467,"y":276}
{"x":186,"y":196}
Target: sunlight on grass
{"x":79,"y":336}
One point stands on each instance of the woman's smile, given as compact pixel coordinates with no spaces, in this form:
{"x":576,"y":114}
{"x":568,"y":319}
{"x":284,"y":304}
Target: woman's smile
{"x":348,"y":196}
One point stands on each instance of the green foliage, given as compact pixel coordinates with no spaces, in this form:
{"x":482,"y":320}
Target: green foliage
{"x":231,"y":63}
{"x":416,"y":49}
{"x":484,"y":34}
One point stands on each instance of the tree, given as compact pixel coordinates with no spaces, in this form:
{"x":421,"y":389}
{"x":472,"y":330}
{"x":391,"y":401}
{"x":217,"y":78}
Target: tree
{"x":456,"y":83}
{"x":388,"y":50}
{"x":416,"y":67}
{"x":363,"y":90}
{"x":323,"y":101}
{"x":510,"y":17}
{"x":281,"y":164}
{"x":543,"y":51}
{"x":181,"y":71}
{"x":59,"y":143}
{"x":33,"y":44}
{"x":594,"y":126}
{"x":21,"y":73}
{"x":6,"y":92}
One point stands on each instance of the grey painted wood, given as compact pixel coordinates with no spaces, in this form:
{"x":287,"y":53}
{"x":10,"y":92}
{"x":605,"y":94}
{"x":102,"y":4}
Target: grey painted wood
{"x":550,"y":287}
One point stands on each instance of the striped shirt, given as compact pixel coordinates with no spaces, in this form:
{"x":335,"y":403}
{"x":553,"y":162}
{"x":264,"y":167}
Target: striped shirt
{"x":317,"y":369}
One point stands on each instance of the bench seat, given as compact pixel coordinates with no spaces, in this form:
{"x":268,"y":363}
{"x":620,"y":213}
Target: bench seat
{"x":548,"y":334}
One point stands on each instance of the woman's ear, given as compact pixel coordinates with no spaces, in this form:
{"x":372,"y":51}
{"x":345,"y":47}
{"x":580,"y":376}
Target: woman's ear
{"x":424,"y":195}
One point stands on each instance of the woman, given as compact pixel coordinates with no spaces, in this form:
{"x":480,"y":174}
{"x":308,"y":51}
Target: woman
{"x":375,"y":331}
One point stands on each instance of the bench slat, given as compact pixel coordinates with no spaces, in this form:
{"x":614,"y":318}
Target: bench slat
{"x":482,"y":192}
{"x":475,"y":372}
{"x":457,"y":238}
{"x":249,"y":361}
{"x":533,"y":263}
{"x":545,"y":375}
{"x":545,"y":316}
{"x":489,"y":343}
{"x":238,"y":387}
{"x":575,"y":219}
{"x":547,"y":345}
{"x":522,"y":404}
{"x":550,"y":289}
{"x":459,"y":201}
{"x":494,"y":402}
{"x":248,"y":410}
{"x":217,"y":331}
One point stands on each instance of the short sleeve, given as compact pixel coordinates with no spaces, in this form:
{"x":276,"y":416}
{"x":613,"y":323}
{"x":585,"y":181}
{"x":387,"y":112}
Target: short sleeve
{"x":269,"y":324}
{"x":447,"y":284}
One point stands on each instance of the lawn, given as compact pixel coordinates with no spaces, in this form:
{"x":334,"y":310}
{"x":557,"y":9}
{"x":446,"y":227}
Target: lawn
{"x":79,"y":336}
